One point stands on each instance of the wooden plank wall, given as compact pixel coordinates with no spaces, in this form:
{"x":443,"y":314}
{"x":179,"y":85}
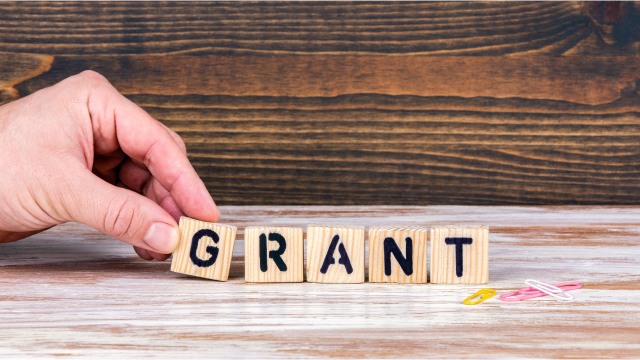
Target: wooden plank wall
{"x":364,"y":103}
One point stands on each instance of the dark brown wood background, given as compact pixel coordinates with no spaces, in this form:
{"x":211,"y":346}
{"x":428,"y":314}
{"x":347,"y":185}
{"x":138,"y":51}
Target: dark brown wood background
{"x":364,"y":103}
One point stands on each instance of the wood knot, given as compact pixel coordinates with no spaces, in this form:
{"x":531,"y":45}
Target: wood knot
{"x":615,"y":22}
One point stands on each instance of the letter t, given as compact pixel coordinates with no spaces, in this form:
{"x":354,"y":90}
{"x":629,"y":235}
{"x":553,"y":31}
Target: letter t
{"x":458,"y":242}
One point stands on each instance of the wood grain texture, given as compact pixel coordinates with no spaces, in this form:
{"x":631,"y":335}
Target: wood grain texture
{"x":378,"y":235}
{"x":222,"y":249}
{"x":365,"y":103}
{"x":475,"y":256}
{"x":294,"y":28}
{"x":337,"y":28}
{"x":319,"y":240}
{"x":17,"y":68}
{"x":72,"y":291}
{"x":244,"y":79}
{"x":292,"y":255}
{"x":443,"y":149}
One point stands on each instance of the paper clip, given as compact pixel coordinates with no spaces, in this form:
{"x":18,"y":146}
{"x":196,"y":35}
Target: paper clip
{"x":484,"y":295}
{"x":549,"y":289}
{"x":537,"y":291}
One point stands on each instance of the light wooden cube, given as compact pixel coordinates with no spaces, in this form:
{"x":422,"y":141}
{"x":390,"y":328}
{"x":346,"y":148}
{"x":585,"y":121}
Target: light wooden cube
{"x":335,"y":254}
{"x":273,"y":254}
{"x":460,"y":254}
{"x":389,"y":258}
{"x":205,"y":249}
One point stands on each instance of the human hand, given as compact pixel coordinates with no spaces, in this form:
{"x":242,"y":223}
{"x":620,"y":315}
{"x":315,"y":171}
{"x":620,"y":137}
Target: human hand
{"x":80,"y":151}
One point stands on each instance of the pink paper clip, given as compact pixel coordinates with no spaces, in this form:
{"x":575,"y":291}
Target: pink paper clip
{"x":531,"y":292}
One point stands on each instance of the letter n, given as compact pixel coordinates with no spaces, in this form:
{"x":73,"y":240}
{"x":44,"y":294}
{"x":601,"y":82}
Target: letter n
{"x":406,"y":263}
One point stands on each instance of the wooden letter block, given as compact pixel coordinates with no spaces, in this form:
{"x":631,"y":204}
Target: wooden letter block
{"x":335,"y":254}
{"x":460,"y":254}
{"x":273,"y":254}
{"x":205,"y":249}
{"x":398,"y":255}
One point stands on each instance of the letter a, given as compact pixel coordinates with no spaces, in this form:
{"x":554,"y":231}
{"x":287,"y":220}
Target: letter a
{"x":329,"y":260}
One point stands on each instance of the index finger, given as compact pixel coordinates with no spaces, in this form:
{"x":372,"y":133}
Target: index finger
{"x":117,"y":121}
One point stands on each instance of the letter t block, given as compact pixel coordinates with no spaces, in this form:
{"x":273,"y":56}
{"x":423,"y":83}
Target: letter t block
{"x":398,"y":255}
{"x":460,"y":254}
{"x":273,"y":254}
{"x":205,"y":249}
{"x":335,"y":254}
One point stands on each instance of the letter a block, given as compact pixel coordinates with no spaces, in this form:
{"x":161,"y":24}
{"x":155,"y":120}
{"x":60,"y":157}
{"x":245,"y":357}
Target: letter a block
{"x":205,"y":249}
{"x":273,"y":254}
{"x":335,"y":254}
{"x":460,"y":254}
{"x":398,"y":255}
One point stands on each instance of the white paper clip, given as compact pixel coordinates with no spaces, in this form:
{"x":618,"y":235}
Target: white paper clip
{"x":549,"y":289}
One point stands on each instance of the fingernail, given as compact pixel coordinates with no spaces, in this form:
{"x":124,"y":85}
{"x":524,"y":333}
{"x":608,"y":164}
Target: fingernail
{"x":162,"y":238}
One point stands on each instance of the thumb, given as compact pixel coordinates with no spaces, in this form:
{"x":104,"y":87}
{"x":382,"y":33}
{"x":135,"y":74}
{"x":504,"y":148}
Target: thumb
{"x":124,"y":215}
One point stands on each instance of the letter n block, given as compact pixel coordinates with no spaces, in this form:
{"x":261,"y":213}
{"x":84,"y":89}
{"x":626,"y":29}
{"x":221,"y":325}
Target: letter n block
{"x":460,"y":254}
{"x":335,"y":254}
{"x":398,"y":255}
{"x":205,"y":249}
{"x":273,"y":254}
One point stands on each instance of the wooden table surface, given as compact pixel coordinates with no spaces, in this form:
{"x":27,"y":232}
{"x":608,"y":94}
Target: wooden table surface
{"x":73,"y":291}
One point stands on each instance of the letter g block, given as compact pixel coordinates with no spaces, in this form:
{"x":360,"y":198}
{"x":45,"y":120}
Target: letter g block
{"x":205,"y":249}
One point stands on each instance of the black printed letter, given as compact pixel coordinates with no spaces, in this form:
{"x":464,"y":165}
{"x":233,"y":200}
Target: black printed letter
{"x":344,"y":257}
{"x":210,"y":249}
{"x":273,"y":254}
{"x":390,"y":247}
{"x":458,"y":242}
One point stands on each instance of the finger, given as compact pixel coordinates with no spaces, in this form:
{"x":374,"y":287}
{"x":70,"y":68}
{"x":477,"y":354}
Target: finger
{"x":134,"y":176}
{"x":154,"y":191}
{"x":150,"y":255}
{"x":115,"y":119}
{"x":122,"y":214}
{"x":122,"y":186}
{"x":143,"y":253}
{"x":176,"y":138}
{"x":106,"y":163}
{"x":158,"y":256}
{"x":161,"y":196}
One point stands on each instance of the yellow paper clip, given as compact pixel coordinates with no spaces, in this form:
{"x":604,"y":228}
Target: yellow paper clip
{"x":484,"y":295}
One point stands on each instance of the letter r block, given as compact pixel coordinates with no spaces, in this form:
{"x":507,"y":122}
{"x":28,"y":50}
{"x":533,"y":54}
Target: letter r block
{"x":205,"y":249}
{"x":335,"y":254}
{"x":273,"y":254}
{"x":398,"y":255}
{"x":460,"y":254}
